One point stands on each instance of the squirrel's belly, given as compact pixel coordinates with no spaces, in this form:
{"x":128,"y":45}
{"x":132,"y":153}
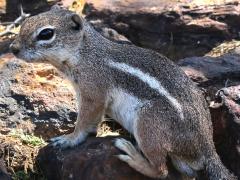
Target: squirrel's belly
{"x":124,"y":108}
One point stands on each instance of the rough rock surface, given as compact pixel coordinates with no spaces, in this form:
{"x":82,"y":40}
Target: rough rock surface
{"x":177,"y":29}
{"x":212,"y":74}
{"x":93,"y":160}
{"x":226,"y":119}
{"x":35,"y":98}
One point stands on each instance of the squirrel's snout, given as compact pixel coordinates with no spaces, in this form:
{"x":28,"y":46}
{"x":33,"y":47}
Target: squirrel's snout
{"x":15,"y":47}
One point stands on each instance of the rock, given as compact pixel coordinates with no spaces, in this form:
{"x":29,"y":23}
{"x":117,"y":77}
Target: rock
{"x":227,"y":127}
{"x":10,"y":9}
{"x":93,"y":160}
{"x":109,"y":33}
{"x":173,"y":28}
{"x":35,"y":98}
{"x":212,"y":74}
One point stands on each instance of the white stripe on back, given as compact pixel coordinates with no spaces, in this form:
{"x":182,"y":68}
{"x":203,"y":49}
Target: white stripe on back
{"x":152,"y":82}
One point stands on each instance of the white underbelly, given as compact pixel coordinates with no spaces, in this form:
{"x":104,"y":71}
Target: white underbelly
{"x":124,"y":108}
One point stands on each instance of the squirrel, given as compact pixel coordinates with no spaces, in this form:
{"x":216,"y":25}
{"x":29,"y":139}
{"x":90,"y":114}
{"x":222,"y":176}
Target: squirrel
{"x":145,"y":92}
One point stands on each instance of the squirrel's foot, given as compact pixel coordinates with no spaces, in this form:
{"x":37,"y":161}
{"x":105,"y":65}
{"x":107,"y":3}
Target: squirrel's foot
{"x":137,"y":161}
{"x":69,"y":140}
{"x":127,"y":147}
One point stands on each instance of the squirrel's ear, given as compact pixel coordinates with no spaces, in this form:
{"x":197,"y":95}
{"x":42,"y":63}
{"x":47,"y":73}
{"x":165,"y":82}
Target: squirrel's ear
{"x":78,"y":22}
{"x":55,"y":7}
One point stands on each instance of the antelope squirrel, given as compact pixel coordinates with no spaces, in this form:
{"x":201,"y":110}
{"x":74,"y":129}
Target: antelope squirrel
{"x":142,"y":90}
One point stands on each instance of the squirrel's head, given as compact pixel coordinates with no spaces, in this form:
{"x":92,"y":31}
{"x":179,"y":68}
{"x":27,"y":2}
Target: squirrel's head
{"x":51,"y":36}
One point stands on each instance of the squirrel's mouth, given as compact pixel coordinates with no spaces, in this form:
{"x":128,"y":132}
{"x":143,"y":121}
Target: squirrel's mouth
{"x":30,"y":57}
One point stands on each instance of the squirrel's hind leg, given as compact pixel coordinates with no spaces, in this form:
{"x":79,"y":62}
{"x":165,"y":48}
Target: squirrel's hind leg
{"x":138,"y":162}
{"x":187,"y":172}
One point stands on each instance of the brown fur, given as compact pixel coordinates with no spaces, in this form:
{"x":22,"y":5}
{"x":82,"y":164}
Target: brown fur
{"x":84,"y":55}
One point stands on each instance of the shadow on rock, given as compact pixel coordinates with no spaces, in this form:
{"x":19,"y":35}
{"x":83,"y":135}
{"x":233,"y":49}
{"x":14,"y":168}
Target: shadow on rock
{"x":93,"y":160}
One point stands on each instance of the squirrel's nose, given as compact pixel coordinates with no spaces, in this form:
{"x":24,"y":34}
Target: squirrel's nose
{"x":14,"y":47}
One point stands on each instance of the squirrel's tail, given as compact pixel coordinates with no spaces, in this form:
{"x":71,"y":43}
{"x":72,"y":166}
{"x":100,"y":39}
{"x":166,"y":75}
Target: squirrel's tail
{"x":216,"y":170}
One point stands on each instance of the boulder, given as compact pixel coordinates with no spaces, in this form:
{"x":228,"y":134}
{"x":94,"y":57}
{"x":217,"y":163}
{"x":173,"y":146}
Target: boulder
{"x":93,"y":160}
{"x":213,"y":73}
{"x":169,"y":27}
{"x":177,"y":29}
{"x":35,"y":98}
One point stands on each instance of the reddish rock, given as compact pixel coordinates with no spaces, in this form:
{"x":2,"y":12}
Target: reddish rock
{"x":212,"y":74}
{"x":35,"y":98}
{"x":93,"y":160}
{"x":173,"y":28}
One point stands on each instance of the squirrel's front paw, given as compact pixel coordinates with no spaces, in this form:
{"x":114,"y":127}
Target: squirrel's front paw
{"x":63,"y":141}
{"x":68,"y":140}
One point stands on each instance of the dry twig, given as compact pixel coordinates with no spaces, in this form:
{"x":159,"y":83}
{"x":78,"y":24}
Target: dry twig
{"x":18,"y":21}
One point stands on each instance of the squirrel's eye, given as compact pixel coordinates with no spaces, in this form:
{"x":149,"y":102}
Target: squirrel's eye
{"x":45,"y":34}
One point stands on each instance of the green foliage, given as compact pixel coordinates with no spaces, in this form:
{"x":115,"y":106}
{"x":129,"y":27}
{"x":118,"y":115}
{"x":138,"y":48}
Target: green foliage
{"x":21,"y":175}
{"x":28,"y":139}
